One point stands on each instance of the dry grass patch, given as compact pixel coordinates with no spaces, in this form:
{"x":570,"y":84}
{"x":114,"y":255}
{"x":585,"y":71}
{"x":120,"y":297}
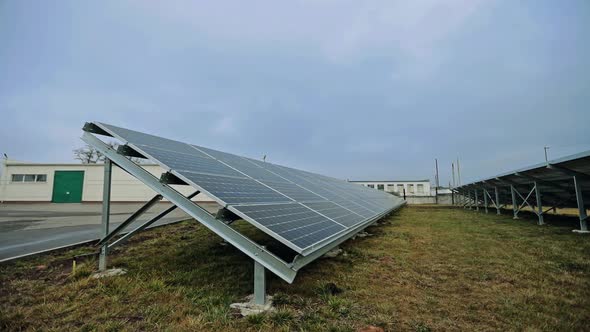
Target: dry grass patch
{"x":424,"y":268}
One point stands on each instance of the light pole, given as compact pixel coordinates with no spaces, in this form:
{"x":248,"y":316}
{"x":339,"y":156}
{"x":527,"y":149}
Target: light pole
{"x":546,"y":148}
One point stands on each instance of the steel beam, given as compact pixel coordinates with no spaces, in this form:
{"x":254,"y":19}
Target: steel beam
{"x":497,"y":192}
{"x":131,"y":219}
{"x":259,"y":284}
{"x":106,"y":211}
{"x":146,"y":224}
{"x":244,"y":244}
{"x":581,"y":206}
{"x":514,"y":206}
{"x":539,"y":204}
{"x":485,"y":200}
{"x":476,"y":200}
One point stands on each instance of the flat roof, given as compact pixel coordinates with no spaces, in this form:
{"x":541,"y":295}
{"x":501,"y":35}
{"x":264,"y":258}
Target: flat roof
{"x":427,"y":180}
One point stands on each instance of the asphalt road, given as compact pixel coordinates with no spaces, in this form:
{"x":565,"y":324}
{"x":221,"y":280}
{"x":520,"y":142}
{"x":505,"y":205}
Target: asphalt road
{"x":31,"y":228}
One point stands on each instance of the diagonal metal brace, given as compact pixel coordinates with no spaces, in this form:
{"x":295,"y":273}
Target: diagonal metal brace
{"x":131,"y":219}
{"x":146,"y":224}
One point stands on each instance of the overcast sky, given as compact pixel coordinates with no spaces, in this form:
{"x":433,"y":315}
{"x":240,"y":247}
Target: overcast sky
{"x":352,"y":89}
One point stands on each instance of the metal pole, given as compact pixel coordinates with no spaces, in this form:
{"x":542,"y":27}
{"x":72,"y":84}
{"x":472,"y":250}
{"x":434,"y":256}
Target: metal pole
{"x":497,"y":200}
{"x":259,"y":284}
{"x":458,"y":172}
{"x":437,"y":181}
{"x":581,"y":207}
{"x":469,"y":199}
{"x":106,"y":211}
{"x":514,"y":206}
{"x":539,"y":204}
{"x":476,"y":200}
{"x":485,"y":200}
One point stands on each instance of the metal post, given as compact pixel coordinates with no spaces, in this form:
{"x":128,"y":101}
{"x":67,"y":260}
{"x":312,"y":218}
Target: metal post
{"x":485,"y":200}
{"x":469,"y":200}
{"x":497,"y":200}
{"x":476,"y":200}
{"x":259,"y":284}
{"x":106,"y":211}
{"x":539,"y":204}
{"x":581,"y":207}
{"x":514,"y":206}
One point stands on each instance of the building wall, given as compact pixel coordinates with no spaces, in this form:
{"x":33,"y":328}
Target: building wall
{"x":124,"y":188}
{"x":392,"y":186}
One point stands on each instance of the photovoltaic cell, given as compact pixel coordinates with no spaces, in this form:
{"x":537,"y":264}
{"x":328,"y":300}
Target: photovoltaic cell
{"x":294,"y":222}
{"x":298,"y":208}
{"x":235,"y":190}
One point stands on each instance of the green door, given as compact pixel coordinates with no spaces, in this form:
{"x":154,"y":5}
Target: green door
{"x":67,"y":186}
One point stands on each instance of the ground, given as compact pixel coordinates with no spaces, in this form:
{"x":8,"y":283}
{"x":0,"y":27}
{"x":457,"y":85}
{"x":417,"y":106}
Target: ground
{"x":34,"y":227}
{"x":423,"y":269}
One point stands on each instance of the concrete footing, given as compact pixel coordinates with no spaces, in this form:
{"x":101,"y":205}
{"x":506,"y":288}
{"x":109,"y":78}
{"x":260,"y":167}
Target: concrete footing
{"x":108,"y":273}
{"x":251,"y":308}
{"x":579,"y":231}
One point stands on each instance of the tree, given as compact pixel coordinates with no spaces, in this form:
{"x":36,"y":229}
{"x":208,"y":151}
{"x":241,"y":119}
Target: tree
{"x":90,"y":155}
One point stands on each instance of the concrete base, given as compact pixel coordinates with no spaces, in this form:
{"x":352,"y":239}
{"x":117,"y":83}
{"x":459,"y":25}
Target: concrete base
{"x":361,"y":235}
{"x":108,"y":273}
{"x":580,"y":231}
{"x":251,"y":308}
{"x":333,"y":253}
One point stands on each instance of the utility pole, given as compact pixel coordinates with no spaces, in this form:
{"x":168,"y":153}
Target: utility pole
{"x":458,"y":172}
{"x":546,"y":148}
{"x":437,"y":182}
{"x":453,"y":170}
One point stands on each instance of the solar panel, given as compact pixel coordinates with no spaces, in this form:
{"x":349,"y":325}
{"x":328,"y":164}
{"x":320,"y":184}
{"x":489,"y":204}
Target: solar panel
{"x":302,"y":210}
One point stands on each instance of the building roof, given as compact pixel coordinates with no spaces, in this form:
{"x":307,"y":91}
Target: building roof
{"x":22,"y":163}
{"x":364,"y":181}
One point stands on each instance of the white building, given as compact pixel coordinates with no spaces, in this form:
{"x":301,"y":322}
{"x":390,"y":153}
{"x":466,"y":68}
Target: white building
{"x":74,"y":183}
{"x":411,"y":187}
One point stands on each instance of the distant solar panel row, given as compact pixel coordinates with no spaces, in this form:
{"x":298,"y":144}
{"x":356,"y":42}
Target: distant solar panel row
{"x":301,"y":209}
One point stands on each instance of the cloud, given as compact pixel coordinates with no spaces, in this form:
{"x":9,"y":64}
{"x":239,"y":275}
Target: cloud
{"x":341,"y":31}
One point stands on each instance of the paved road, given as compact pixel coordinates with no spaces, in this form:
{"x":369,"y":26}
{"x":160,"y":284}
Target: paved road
{"x":30,"y":228}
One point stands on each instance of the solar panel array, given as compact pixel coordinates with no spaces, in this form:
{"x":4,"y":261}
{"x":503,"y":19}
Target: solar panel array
{"x":303,"y":210}
{"x":554,"y":178}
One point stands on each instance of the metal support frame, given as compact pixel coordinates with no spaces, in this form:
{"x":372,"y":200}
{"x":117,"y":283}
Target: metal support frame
{"x":514,"y":205}
{"x":577,"y":176}
{"x":539,"y":204}
{"x":497,"y":202}
{"x":476,"y":200}
{"x":259,"y":284}
{"x":271,"y":262}
{"x":263,"y":259}
{"x":131,"y":219}
{"x":581,"y":206}
{"x":106,"y":212}
{"x":146,"y":224}
{"x":485,"y":199}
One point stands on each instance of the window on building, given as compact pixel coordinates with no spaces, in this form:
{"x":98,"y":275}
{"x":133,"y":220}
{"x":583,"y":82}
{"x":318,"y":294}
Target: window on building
{"x":371,"y":185}
{"x":29,"y":178}
{"x":420,"y":188}
{"x":410,"y":188}
{"x":381,"y":187}
{"x":18,"y":177}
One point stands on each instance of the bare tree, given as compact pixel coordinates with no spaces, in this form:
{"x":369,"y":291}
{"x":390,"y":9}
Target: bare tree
{"x":90,"y":155}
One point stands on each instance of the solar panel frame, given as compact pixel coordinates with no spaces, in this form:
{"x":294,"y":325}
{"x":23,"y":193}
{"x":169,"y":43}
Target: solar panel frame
{"x":257,"y":169}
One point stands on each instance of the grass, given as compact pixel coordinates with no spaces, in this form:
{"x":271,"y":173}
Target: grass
{"x":423,"y":269}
